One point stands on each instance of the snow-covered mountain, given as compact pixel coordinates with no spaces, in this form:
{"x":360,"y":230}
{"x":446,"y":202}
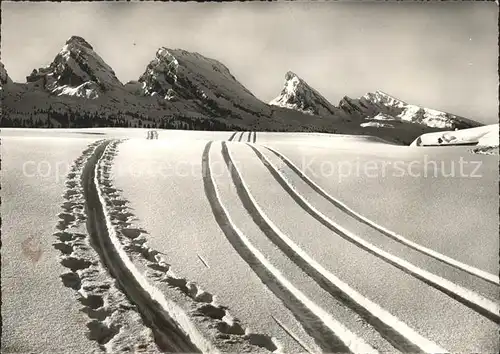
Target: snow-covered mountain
{"x":373,"y":106}
{"x":176,"y":74}
{"x":78,"y":71}
{"x":377,"y":105}
{"x":298,"y":95}
{"x":181,"y":89}
{"x":176,"y":86}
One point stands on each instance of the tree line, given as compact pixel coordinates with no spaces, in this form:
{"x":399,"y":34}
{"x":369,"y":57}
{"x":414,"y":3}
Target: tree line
{"x":56,"y":119}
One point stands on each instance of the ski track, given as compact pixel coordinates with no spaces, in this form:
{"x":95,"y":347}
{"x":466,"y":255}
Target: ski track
{"x":477,"y":302}
{"x":116,"y":324}
{"x":328,"y":333}
{"x":172,"y":329}
{"x":293,"y":336}
{"x":224,"y":326}
{"x":114,"y":321}
{"x":494,"y":279}
{"x":400,"y":335}
{"x":232,"y":136}
{"x":252,"y":137}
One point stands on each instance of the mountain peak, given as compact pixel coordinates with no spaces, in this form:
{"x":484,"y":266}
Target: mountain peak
{"x":177,"y":74}
{"x":298,"y":95}
{"x":79,"y":40}
{"x":77,"y":70}
{"x":290,"y":75}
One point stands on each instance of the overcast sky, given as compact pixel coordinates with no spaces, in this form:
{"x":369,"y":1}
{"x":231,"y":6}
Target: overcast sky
{"x":439,"y":55}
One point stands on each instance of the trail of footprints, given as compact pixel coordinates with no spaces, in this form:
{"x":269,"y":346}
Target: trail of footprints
{"x":229,"y":329}
{"x":114,"y":322}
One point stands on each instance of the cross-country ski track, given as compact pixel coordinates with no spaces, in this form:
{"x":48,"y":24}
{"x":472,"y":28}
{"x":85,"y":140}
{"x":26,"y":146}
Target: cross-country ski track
{"x":250,"y":136}
{"x":223,"y":243}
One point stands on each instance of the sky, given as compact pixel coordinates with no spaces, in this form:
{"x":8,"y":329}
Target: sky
{"x":440,"y":55}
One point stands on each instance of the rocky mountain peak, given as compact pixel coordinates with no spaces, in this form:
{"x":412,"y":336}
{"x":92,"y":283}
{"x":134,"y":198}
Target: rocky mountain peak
{"x":298,"y":95}
{"x":77,"y":40}
{"x":77,"y":70}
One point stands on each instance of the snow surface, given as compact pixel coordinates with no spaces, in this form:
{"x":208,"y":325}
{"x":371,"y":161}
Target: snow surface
{"x":376,"y":125}
{"x":429,"y":117}
{"x":489,"y":139}
{"x":164,"y":182}
{"x":186,"y":229}
{"x":432,"y":206}
{"x":438,"y":312}
{"x":485,"y":136}
{"x":39,"y":314}
{"x":382,"y":116}
{"x":88,"y":90}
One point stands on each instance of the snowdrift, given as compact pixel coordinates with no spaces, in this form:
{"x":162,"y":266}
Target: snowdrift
{"x":483,"y":136}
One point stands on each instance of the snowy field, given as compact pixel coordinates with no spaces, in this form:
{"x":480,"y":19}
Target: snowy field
{"x":254,"y":242}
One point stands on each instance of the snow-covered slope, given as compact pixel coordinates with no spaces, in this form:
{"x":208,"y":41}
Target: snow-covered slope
{"x":484,"y":136}
{"x":383,"y":117}
{"x":491,"y":138}
{"x":376,"y":125}
{"x":298,"y":95}
{"x":77,"y":70}
{"x":380,"y":104}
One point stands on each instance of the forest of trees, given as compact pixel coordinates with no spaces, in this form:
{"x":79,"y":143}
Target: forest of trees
{"x":55,"y":119}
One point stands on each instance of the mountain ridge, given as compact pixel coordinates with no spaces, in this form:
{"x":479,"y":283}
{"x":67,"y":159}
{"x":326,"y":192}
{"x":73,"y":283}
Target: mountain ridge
{"x":181,"y":86}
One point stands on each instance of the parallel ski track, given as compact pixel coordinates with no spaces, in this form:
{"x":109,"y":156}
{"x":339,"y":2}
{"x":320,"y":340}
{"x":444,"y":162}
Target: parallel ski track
{"x":252,"y":137}
{"x":494,"y":279}
{"x":171,"y":335}
{"x":232,"y":136}
{"x":473,"y":300}
{"x":392,"y":329}
{"x":328,"y":333}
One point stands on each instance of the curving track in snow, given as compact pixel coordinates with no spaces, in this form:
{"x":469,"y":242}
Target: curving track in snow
{"x":494,"y":279}
{"x":401,"y":336}
{"x":396,"y":332}
{"x":124,"y":253}
{"x":119,"y":248}
{"x":251,"y":137}
{"x":158,"y":312}
{"x":328,"y":332}
{"x":479,"y":303}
